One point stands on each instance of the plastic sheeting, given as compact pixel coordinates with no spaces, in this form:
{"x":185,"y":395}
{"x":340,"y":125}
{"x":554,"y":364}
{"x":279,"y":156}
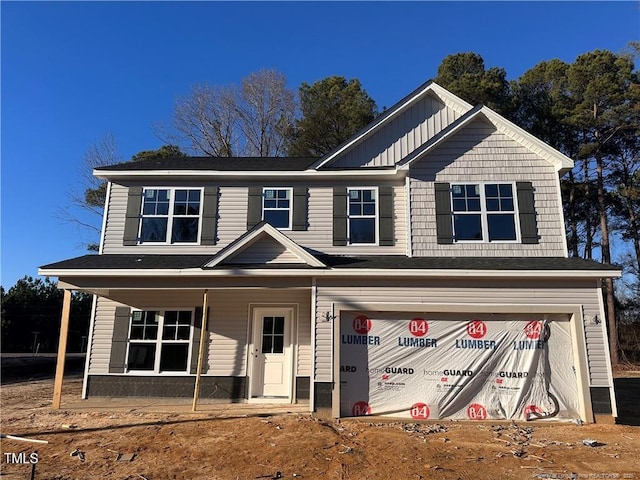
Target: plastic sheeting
{"x":450,"y":366}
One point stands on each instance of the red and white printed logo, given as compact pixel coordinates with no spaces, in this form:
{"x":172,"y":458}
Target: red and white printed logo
{"x":532,"y":409}
{"x":361,"y":408}
{"x":475,"y":411}
{"x":385,"y":377}
{"x":533,"y":329}
{"x":419,"y":411}
{"x":476,"y":329}
{"x":499,"y":380}
{"x":418,"y":327}
{"x":361,"y":324}
{"x":444,"y":379}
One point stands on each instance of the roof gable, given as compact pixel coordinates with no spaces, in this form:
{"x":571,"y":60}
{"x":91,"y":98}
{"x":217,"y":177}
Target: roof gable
{"x":404,"y":119}
{"x":263,"y":244}
{"x":556,"y":158}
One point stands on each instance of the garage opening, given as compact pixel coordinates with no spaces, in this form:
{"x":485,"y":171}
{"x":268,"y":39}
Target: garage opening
{"x":457,"y":366}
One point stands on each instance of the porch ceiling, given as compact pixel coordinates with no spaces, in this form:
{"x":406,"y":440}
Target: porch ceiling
{"x":128,"y":289}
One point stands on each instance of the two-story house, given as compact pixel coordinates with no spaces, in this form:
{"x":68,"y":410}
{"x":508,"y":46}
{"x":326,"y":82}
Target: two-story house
{"x":420,"y":270}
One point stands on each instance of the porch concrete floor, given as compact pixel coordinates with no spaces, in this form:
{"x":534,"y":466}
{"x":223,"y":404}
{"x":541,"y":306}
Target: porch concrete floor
{"x":215,"y":408}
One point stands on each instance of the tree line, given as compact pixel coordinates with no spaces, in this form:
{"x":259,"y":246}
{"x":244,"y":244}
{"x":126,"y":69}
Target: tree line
{"x":30,"y":317}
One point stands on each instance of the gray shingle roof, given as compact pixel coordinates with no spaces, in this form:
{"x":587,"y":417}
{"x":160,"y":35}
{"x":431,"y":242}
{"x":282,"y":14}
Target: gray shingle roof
{"x":127,"y":261}
{"x":215,"y":164}
{"x":391,"y":262}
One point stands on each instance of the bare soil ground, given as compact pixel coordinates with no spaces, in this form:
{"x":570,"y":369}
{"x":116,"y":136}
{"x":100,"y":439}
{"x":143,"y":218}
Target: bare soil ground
{"x":95,"y":445}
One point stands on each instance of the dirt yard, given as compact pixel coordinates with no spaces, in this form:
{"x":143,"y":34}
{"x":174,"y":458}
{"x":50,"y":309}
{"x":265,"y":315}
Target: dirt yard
{"x":134,"y":445}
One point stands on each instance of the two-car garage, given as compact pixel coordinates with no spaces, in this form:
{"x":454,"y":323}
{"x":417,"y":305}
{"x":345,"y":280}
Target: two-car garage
{"x":461,"y":365}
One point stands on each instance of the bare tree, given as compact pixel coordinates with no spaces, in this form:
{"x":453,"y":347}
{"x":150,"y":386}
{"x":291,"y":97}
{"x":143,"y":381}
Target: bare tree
{"x":266,"y":109}
{"x":207,"y":118}
{"x":252,"y":119}
{"x":86,"y":201}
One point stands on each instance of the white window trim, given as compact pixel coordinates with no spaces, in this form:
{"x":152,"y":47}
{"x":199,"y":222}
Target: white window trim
{"x":484,"y":222}
{"x":377,"y":217}
{"x":158,"y":341}
{"x":170,"y":216}
{"x":290,"y":190}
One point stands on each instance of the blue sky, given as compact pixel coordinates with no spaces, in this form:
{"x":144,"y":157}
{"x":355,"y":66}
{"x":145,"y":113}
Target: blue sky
{"x":73,"y":71}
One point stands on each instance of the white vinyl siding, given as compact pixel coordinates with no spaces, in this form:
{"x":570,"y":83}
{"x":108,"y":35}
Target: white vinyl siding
{"x":229,"y":323}
{"x":227,"y":326}
{"x":232,"y":222}
{"x":99,"y":349}
{"x":456,"y":291}
{"x":480,"y":154}
{"x":411,"y":129}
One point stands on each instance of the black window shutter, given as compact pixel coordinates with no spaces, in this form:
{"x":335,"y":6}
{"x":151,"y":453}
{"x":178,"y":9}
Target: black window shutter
{"x":119,"y":340}
{"x":195,"y":349}
{"x":254,"y":207}
{"x":132,"y":216}
{"x":444,"y":227}
{"x":339,"y":216}
{"x":385,"y":208}
{"x":299,"y":208}
{"x":209,"y":216}
{"x":526,"y":208}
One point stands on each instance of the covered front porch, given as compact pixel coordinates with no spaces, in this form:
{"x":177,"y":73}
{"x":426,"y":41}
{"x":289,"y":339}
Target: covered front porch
{"x":146,"y":340}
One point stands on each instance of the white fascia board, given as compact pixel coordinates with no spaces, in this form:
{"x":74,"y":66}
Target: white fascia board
{"x":277,"y":236}
{"x":448,"y":98}
{"x":559,"y":160}
{"x":343,"y":272}
{"x":135,"y":174}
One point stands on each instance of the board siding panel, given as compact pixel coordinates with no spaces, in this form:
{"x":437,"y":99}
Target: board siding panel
{"x":232,"y":223}
{"x":265,"y":250}
{"x":229,"y":327}
{"x":100,"y":342}
{"x":411,"y":129}
{"x":319,"y":234}
{"x":481,"y":154}
{"x":114,"y":225}
{"x":228,"y":324}
{"x":461,"y":292}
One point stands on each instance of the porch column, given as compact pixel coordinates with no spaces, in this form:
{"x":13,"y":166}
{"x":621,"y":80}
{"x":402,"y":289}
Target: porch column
{"x":62,"y":349}
{"x":203,"y":337}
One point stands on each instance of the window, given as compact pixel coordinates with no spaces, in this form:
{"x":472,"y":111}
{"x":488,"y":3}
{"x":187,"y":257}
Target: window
{"x":362,"y":215}
{"x":159,"y":341}
{"x":170,"y":215}
{"x":276,"y":207}
{"x":273,"y":335}
{"x":483,"y":212}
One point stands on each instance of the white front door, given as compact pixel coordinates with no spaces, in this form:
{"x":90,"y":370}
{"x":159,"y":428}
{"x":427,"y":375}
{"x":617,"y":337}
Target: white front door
{"x":272,"y":358}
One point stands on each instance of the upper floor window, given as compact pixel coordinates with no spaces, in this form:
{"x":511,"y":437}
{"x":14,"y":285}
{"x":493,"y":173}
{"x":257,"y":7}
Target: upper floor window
{"x":362,"y":214}
{"x":276,"y":207}
{"x":170,"y":215}
{"x":483,"y":212}
{"x":159,"y":341}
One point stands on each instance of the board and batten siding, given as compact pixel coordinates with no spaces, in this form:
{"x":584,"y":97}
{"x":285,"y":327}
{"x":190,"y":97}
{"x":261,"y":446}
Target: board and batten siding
{"x":479,"y":153}
{"x":228,"y":324}
{"x":232,"y":222}
{"x":498,"y":292}
{"x":402,"y":135}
